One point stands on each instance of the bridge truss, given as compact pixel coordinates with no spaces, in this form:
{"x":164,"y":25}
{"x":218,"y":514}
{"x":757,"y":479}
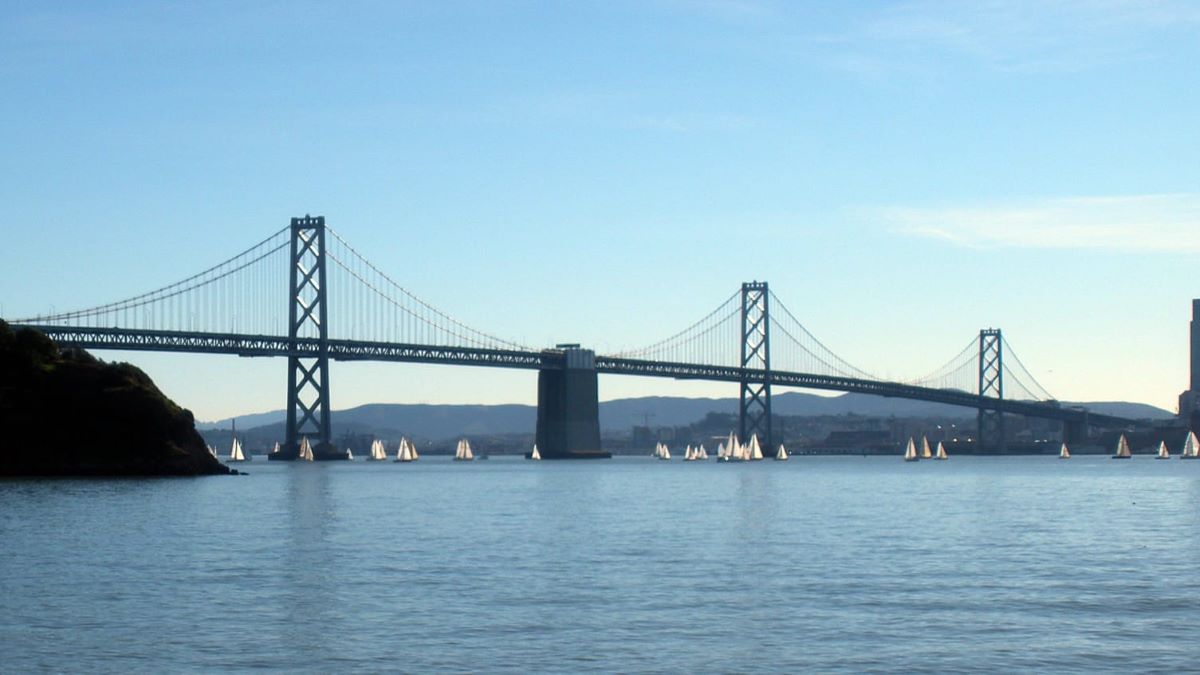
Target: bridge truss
{"x":340,"y":306}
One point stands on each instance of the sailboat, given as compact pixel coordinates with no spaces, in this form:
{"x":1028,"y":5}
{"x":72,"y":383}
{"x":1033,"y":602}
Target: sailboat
{"x":378,"y":452}
{"x":664,"y":452}
{"x":412,"y":450}
{"x":689,"y":455}
{"x":1163,"y":453}
{"x":722,"y":456}
{"x":733,"y":449}
{"x":535,"y":454}
{"x":275,"y":450}
{"x":701,"y":453}
{"x":925,"y":453}
{"x":211,"y":450}
{"x":781,"y":455}
{"x":463,"y":453}
{"x":1122,"y":449}
{"x":1191,"y":447}
{"x":910,"y":451}
{"x":405,"y":452}
{"x":306,"y":453}
{"x":349,"y":455}
{"x":235,"y":452}
{"x":1064,"y":453}
{"x":754,"y":452}
{"x":941,"y":452}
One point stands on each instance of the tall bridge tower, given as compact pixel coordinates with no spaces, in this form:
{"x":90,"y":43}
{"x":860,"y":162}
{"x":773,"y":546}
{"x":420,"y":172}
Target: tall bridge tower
{"x":308,"y":317}
{"x":754,"y":412}
{"x":991,"y":383}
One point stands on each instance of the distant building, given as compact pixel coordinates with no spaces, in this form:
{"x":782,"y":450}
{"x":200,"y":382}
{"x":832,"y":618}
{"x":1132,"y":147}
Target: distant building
{"x":1189,"y":401}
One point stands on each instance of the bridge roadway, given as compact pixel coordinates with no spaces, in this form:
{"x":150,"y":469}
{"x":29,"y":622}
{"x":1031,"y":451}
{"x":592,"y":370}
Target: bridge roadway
{"x":357,"y":350}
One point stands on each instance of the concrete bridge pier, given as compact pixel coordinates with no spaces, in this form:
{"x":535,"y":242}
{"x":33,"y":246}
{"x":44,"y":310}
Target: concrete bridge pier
{"x":568,"y":418}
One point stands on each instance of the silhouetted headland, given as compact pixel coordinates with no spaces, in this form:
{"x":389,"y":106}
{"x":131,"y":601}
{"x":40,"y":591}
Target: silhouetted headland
{"x":65,"y":413}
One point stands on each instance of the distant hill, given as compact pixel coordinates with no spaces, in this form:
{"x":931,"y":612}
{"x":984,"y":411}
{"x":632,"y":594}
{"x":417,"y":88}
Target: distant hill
{"x":445,"y":421}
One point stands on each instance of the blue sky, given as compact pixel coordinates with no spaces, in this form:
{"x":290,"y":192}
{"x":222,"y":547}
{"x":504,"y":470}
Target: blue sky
{"x":903,"y":173}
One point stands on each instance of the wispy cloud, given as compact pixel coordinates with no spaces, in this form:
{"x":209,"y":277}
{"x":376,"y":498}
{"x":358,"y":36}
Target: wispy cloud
{"x":1168,"y":222}
{"x":1022,"y":35}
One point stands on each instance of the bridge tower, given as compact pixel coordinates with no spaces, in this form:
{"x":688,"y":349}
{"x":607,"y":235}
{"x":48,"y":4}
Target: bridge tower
{"x":754,"y":413}
{"x":991,"y":383}
{"x":308,"y":375}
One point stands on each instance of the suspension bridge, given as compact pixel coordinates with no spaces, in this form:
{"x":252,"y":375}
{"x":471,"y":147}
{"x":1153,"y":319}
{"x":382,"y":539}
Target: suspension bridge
{"x":340,"y":306}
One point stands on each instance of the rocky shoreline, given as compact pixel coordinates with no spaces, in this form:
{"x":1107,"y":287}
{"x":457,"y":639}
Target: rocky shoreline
{"x":65,"y":413}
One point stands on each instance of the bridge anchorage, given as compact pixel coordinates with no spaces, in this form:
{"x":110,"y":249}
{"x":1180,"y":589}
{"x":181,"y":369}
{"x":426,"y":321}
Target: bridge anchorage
{"x":342,"y":307}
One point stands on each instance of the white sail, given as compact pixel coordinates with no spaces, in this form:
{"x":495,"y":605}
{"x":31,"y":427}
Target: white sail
{"x":1163,"y":453}
{"x":910,"y":451}
{"x":1123,"y":447}
{"x":666,"y":452}
{"x":941,"y":452}
{"x":211,"y":450}
{"x":535,"y":454}
{"x":467,"y":454}
{"x":1191,"y":446}
{"x":349,"y":454}
{"x":276,"y":448}
{"x":235,"y":453}
{"x":306,"y":452}
{"x":721,"y":451}
{"x":925,"y":453}
{"x":781,"y":454}
{"x":702,"y":453}
{"x":412,"y":451}
{"x":754,"y":452}
{"x":1064,"y":452}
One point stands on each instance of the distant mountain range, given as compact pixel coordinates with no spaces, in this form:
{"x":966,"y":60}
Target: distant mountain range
{"x":445,"y":421}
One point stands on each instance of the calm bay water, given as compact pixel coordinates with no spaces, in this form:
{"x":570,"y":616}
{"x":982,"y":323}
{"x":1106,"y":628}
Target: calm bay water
{"x":846,"y":563}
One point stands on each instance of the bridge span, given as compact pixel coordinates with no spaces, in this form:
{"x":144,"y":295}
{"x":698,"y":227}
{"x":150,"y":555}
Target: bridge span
{"x":342,"y":307}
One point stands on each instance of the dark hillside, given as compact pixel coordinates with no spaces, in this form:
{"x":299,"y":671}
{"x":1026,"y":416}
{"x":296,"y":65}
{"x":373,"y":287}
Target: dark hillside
{"x":65,"y":413}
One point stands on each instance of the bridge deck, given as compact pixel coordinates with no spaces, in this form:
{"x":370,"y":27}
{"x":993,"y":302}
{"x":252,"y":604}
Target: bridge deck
{"x":354,"y":350}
